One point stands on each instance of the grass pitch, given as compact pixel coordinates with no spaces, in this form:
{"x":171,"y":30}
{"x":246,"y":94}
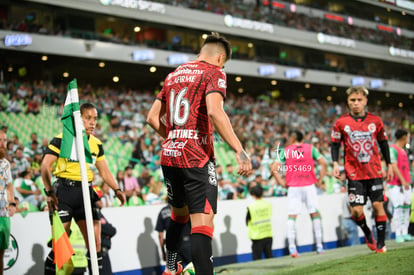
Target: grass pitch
{"x":346,"y":260}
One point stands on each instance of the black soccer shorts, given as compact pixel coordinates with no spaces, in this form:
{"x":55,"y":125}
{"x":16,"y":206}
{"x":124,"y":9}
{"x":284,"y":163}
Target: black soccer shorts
{"x":360,"y":190}
{"x":195,"y":187}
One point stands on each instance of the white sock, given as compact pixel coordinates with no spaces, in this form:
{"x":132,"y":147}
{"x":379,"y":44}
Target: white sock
{"x":405,"y":220}
{"x":317,"y":229}
{"x":291,"y":232}
{"x":397,"y":220}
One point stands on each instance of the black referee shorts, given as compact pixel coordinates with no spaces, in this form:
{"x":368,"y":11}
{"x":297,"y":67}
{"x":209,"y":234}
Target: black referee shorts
{"x":70,"y":201}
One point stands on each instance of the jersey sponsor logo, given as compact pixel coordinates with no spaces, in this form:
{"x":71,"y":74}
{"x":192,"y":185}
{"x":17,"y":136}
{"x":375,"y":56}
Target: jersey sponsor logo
{"x":222,"y":83}
{"x":170,"y":144}
{"x":11,"y":253}
{"x":361,"y":143}
{"x":171,"y":153}
{"x":184,"y":71}
{"x":377,"y":187}
{"x":212,"y":174}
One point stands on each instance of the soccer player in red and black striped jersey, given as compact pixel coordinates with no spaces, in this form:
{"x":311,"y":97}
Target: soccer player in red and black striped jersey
{"x":359,"y":132}
{"x":184,"y":113}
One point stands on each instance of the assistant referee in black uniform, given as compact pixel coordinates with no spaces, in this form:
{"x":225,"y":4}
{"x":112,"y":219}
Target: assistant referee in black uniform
{"x":66,"y":193}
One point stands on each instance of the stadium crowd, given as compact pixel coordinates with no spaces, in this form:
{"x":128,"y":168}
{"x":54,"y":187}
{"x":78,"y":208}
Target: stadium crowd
{"x":259,"y":12}
{"x":118,"y":34}
{"x":262,"y":123}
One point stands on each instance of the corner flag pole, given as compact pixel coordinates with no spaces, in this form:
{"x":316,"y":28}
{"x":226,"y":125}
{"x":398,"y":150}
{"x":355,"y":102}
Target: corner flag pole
{"x":85,"y":191}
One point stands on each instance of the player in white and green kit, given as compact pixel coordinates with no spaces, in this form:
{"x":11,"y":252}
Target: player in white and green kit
{"x":399,"y":189}
{"x":7,"y":204}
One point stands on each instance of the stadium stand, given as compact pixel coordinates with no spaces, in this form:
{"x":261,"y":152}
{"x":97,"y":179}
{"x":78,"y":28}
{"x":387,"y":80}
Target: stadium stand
{"x":280,"y":15}
{"x":261,"y":115}
{"x":262,"y":123}
{"x":45,"y":44}
{"x":155,"y":37}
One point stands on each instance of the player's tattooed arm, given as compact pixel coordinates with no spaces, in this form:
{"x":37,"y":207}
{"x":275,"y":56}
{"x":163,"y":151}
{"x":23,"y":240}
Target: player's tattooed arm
{"x":244,"y":157}
{"x":245,"y":165}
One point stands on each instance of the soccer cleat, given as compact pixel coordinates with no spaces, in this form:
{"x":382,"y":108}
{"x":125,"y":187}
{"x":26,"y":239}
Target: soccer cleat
{"x":399,"y":239}
{"x":372,"y":245}
{"x":319,"y":250}
{"x":293,"y":252}
{"x":408,"y":238}
{"x":381,"y":250}
{"x":179,"y":270}
{"x":189,"y":269}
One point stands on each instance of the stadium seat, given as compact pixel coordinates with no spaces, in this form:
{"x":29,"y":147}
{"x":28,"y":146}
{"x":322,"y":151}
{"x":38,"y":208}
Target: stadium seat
{"x":135,"y":201}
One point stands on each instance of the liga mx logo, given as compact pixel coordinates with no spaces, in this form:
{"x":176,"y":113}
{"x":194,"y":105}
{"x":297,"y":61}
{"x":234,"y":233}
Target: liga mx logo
{"x":11,"y":253}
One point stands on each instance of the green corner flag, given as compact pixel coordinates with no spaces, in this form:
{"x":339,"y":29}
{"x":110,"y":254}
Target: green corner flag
{"x":68,"y":146}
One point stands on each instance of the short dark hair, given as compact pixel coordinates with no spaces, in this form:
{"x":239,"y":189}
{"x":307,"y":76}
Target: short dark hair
{"x":86,"y":106}
{"x":216,"y":38}
{"x":400,"y":133}
{"x":256,"y":191}
{"x":297,"y":135}
{"x":24,"y":173}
